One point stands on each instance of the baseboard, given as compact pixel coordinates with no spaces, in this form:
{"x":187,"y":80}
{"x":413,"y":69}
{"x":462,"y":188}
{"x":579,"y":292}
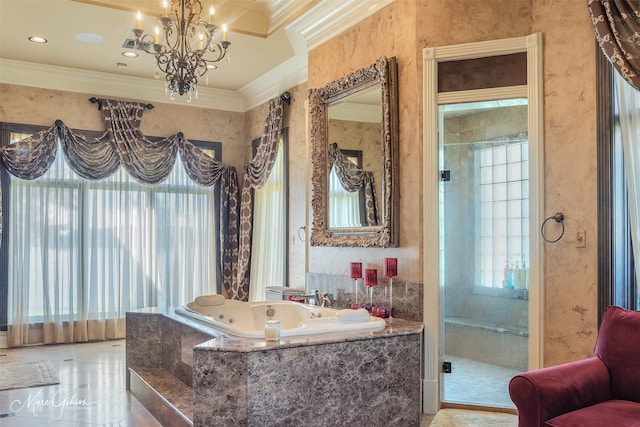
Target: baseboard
{"x":430,"y":396}
{"x":3,"y":339}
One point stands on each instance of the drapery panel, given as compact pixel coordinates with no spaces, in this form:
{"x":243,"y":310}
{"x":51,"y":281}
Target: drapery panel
{"x":629,"y":107}
{"x":149,"y":162}
{"x":353,"y":178}
{"x":616,"y":24}
{"x":267,"y":242}
{"x":255,"y":175}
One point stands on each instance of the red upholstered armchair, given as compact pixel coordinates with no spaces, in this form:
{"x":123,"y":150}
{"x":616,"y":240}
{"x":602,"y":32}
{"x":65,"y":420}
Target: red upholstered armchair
{"x":603,"y":390}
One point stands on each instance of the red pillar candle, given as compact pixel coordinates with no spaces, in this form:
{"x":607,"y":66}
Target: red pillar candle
{"x":391,"y":267}
{"x":356,"y":270}
{"x":371,"y":277}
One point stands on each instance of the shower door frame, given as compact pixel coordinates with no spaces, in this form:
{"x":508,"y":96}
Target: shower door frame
{"x":433,"y":291}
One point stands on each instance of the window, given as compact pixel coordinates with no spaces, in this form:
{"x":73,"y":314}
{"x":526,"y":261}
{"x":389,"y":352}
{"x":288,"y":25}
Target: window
{"x":84,"y":250}
{"x":617,"y":282}
{"x":503,"y":218}
{"x":270,"y":227}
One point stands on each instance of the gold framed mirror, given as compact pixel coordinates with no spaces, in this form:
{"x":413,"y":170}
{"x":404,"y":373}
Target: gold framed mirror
{"x":355,"y":197}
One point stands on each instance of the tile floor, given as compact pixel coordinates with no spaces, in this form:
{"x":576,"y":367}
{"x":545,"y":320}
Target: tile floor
{"x":477,"y":383}
{"x":92,"y":380}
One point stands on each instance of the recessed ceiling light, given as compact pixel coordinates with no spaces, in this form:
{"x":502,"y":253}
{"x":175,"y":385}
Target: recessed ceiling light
{"x":89,"y":37}
{"x":130,"y":54}
{"x":37,"y":39}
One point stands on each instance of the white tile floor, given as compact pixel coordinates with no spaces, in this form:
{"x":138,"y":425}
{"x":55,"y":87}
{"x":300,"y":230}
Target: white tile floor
{"x":478,"y":383}
{"x":92,"y":389}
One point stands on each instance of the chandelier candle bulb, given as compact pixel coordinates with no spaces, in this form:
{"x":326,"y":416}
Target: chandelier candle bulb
{"x":224,"y":32}
{"x":165,"y":6}
{"x":138,"y":20}
{"x":211,"y":12}
{"x":156,"y":38}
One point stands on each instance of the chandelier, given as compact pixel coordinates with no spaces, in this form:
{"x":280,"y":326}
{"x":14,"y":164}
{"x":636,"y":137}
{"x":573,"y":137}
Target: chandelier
{"x":183,"y":45}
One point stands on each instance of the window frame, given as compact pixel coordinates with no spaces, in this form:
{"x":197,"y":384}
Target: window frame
{"x":617,"y":284}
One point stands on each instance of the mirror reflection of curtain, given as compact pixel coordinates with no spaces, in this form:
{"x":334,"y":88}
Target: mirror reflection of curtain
{"x":255,"y":176}
{"x":353,"y":178}
{"x":344,"y":206}
{"x":268,"y":242}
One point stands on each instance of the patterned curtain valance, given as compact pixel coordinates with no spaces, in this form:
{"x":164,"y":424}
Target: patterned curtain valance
{"x":149,"y":162}
{"x":616,"y":24}
{"x":353,"y":178}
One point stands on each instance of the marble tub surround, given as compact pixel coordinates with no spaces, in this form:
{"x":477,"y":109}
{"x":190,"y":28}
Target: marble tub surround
{"x":159,"y":363}
{"x":407,"y":296}
{"x":360,"y":381}
{"x":350,"y":377}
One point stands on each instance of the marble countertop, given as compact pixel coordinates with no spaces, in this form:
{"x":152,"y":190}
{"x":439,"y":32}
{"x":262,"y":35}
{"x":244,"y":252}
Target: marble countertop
{"x":395,"y":326}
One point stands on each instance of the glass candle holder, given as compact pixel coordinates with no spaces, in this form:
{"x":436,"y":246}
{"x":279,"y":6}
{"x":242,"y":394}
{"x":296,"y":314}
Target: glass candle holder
{"x":272,"y":330}
{"x":356,"y":274}
{"x":370,"y":280}
{"x":390,"y":271}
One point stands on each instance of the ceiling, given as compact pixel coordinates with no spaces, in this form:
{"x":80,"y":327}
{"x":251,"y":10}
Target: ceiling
{"x":268,"y":53}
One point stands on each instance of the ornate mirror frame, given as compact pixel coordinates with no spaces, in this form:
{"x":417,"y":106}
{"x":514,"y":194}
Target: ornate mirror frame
{"x":384,"y":72}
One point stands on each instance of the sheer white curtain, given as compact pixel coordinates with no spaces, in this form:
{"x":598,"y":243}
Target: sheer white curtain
{"x":629,"y":107}
{"x":344,"y":206}
{"x":83,"y":253}
{"x":268,"y":244}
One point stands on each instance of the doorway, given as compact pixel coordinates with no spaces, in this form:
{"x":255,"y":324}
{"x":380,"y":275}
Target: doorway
{"x":484,"y":225}
{"x":483,"y":136}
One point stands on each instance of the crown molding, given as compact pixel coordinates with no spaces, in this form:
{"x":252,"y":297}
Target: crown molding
{"x":107,"y":84}
{"x":329,"y":18}
{"x":271,"y":84}
{"x":321,"y":21}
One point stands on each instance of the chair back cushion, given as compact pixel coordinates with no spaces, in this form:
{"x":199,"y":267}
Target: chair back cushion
{"x":618,"y":346}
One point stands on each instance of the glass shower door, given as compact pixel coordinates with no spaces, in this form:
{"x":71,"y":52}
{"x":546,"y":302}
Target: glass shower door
{"x":484,"y":247}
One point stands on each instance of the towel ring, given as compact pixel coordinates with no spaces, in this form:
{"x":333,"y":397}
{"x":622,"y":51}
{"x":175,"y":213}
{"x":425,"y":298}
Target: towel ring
{"x":302,"y":238}
{"x":559,"y":218}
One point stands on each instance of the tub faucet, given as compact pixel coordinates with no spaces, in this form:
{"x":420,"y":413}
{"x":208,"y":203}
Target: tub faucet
{"x":323,"y":299}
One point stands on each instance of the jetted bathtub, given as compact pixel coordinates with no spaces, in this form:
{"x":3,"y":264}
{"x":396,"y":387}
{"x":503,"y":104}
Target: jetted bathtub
{"x":247,"y":319}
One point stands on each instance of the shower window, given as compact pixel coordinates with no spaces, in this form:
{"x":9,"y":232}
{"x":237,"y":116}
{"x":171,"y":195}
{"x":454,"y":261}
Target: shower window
{"x":502,"y":214}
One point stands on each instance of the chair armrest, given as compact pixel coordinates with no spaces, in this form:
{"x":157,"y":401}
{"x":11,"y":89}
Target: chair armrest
{"x":545,"y":393}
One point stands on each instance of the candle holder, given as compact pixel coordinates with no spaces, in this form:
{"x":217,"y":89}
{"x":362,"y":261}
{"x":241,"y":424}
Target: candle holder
{"x":370,"y":280}
{"x":390,"y":271}
{"x":356,"y":274}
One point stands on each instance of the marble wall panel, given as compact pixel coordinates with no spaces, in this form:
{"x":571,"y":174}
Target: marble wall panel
{"x":407,"y":296}
{"x":365,"y":382}
{"x":178,"y":341}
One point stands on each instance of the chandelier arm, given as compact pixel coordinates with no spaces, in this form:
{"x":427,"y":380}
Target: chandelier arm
{"x":186,"y":39}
